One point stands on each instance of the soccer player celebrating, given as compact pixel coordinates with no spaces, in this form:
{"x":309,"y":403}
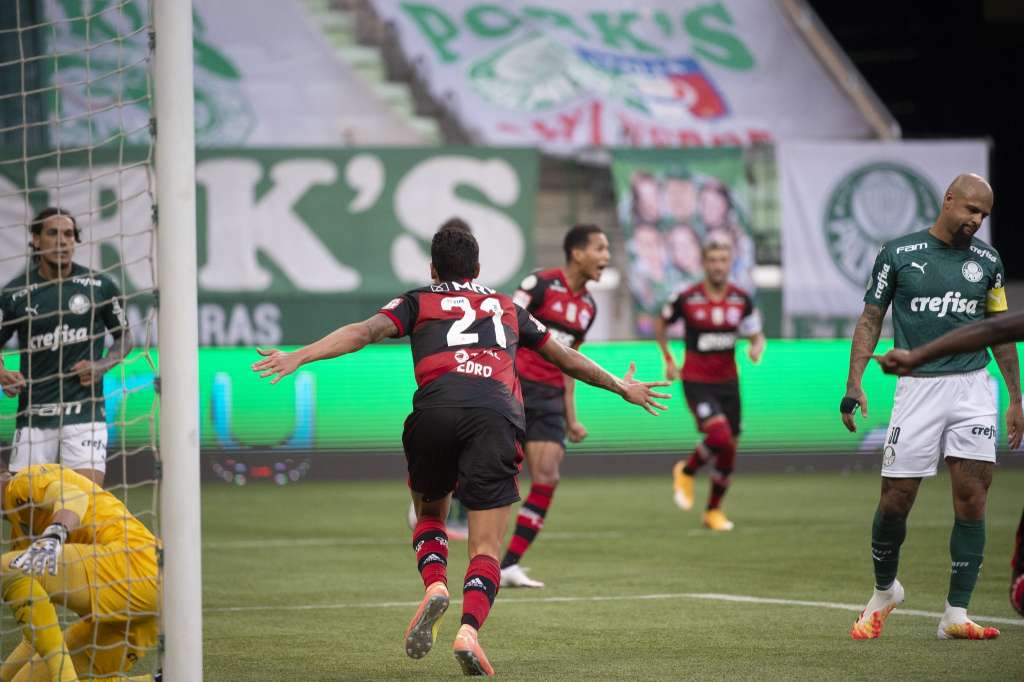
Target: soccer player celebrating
{"x":76,"y":545}
{"x":973,"y":337}
{"x":936,"y":280}
{"x":715,"y":313}
{"x":61,"y":312}
{"x":467,"y":421}
{"x":559,"y":299}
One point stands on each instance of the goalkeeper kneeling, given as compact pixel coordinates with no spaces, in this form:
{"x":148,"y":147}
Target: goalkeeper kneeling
{"x":76,"y":545}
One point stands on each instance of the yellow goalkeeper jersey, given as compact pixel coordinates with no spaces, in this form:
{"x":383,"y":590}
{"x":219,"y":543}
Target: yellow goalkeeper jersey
{"x":121,"y":565}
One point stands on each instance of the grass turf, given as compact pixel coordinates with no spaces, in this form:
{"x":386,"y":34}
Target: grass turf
{"x":317,"y":581}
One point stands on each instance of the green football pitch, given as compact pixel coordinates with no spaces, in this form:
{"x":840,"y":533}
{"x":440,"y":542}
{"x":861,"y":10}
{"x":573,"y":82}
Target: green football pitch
{"x":317,"y":581}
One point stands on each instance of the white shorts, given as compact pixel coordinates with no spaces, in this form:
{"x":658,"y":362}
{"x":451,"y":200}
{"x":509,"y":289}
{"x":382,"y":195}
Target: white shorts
{"x":950,"y":416}
{"x":76,"y":446}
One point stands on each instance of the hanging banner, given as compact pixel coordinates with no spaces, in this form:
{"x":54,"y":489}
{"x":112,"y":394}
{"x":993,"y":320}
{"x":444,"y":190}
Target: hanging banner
{"x":253,"y":85}
{"x":840,"y":202}
{"x":569,"y":76}
{"x":291,"y":243}
{"x":669,"y":204}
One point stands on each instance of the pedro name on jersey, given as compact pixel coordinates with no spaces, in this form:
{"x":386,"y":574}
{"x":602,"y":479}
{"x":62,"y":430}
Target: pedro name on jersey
{"x":711,"y":330}
{"x":464,"y":339}
{"x":59,"y":323}
{"x":546,"y":294}
{"x":934,"y":288}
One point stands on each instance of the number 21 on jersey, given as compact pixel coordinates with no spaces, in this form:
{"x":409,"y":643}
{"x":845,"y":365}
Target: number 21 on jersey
{"x":457,"y":335}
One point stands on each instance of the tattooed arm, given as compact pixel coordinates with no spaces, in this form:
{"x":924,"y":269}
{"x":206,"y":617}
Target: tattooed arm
{"x":865,"y":338}
{"x":1009,"y":366}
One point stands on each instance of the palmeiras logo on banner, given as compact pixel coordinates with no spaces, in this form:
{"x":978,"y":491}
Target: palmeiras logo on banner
{"x":871,"y":205}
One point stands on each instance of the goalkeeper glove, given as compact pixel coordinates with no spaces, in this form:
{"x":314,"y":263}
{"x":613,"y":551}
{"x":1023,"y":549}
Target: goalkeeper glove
{"x":44,"y":553}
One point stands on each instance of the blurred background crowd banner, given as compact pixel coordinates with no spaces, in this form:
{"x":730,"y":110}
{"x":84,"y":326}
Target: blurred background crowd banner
{"x":569,"y":76}
{"x":291,"y":242}
{"x":669,"y":204}
{"x":840,"y":201}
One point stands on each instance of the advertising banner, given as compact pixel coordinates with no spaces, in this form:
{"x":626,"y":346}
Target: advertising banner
{"x":568,"y":76}
{"x":840,"y":202}
{"x":291,"y":243}
{"x":669,"y":204}
{"x":358,"y":403}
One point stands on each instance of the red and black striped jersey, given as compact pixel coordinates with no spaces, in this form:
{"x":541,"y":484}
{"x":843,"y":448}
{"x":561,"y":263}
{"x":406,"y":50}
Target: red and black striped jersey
{"x":712,"y":327}
{"x":464,"y":338}
{"x":546,"y":294}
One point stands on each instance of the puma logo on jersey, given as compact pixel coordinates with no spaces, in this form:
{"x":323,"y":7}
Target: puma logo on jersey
{"x":32,"y":310}
{"x":919,"y":266}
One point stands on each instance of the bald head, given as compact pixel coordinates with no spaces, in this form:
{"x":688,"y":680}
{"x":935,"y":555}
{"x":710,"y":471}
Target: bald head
{"x":970,"y":185}
{"x":966,"y":204}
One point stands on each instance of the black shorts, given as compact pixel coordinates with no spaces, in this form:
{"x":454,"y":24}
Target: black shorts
{"x":471,"y":450}
{"x":710,"y":400}
{"x":545,"y":412}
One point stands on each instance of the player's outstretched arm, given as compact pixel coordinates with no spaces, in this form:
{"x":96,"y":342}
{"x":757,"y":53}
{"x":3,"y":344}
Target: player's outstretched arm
{"x":865,"y":338}
{"x":996,"y":330}
{"x":347,"y":339}
{"x":583,"y":368}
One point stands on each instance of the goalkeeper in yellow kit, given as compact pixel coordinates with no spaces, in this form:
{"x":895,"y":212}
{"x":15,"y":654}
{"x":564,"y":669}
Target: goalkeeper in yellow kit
{"x":77,"y":545}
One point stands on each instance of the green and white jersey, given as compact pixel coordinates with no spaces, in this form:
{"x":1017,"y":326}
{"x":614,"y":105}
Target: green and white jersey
{"x":935,"y":288}
{"x":59,"y":323}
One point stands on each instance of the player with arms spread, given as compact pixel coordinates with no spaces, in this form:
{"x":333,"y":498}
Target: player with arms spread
{"x":715,"y":313}
{"x":61,"y":312}
{"x":76,"y":545}
{"x":936,"y":280}
{"x":974,"y":337}
{"x":558,"y":297}
{"x":467,"y":421}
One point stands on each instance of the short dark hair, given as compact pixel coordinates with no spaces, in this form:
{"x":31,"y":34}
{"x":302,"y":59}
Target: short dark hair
{"x":456,"y":223}
{"x":577,"y":238}
{"x":36,"y":226}
{"x":454,"y":251}
{"x":714,"y":244}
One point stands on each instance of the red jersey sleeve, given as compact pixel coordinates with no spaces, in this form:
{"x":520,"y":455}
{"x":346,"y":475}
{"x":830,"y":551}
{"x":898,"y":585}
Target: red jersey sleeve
{"x":532,"y":334}
{"x":403,"y":311}
{"x":672,"y":310}
{"x":530,"y":294}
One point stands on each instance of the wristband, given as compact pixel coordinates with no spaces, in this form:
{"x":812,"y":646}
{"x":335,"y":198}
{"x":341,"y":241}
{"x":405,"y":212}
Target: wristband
{"x":56,"y":530}
{"x":848,"y":405}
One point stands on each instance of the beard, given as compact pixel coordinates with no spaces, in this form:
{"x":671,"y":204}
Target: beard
{"x":962,"y":238}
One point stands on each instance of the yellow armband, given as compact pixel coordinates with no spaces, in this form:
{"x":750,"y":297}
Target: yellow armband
{"x":996,"y":301}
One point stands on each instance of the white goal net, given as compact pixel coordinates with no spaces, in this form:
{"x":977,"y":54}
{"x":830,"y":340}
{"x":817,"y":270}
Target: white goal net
{"x":76,"y":138}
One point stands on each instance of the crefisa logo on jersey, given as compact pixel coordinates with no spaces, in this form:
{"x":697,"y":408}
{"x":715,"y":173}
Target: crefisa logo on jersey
{"x":972,"y":271}
{"x":871,"y":205}
{"x":79,"y":304}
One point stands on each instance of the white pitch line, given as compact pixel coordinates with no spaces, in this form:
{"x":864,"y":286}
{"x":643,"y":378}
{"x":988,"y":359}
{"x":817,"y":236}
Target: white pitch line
{"x":278,"y":543}
{"x":707,"y":596}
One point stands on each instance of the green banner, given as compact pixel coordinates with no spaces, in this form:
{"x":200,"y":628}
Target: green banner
{"x":359,"y":402}
{"x":669,"y":204}
{"x":291,"y":242}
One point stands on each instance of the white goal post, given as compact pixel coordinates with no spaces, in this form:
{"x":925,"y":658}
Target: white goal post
{"x":178,"y":340}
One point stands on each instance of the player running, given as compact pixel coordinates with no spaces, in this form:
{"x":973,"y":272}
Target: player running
{"x":937,"y":280}
{"x":715,"y":313}
{"x":78,"y":546}
{"x":467,"y":421}
{"x":559,"y":299}
{"x":1005,"y":328}
{"x":61,"y":312}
